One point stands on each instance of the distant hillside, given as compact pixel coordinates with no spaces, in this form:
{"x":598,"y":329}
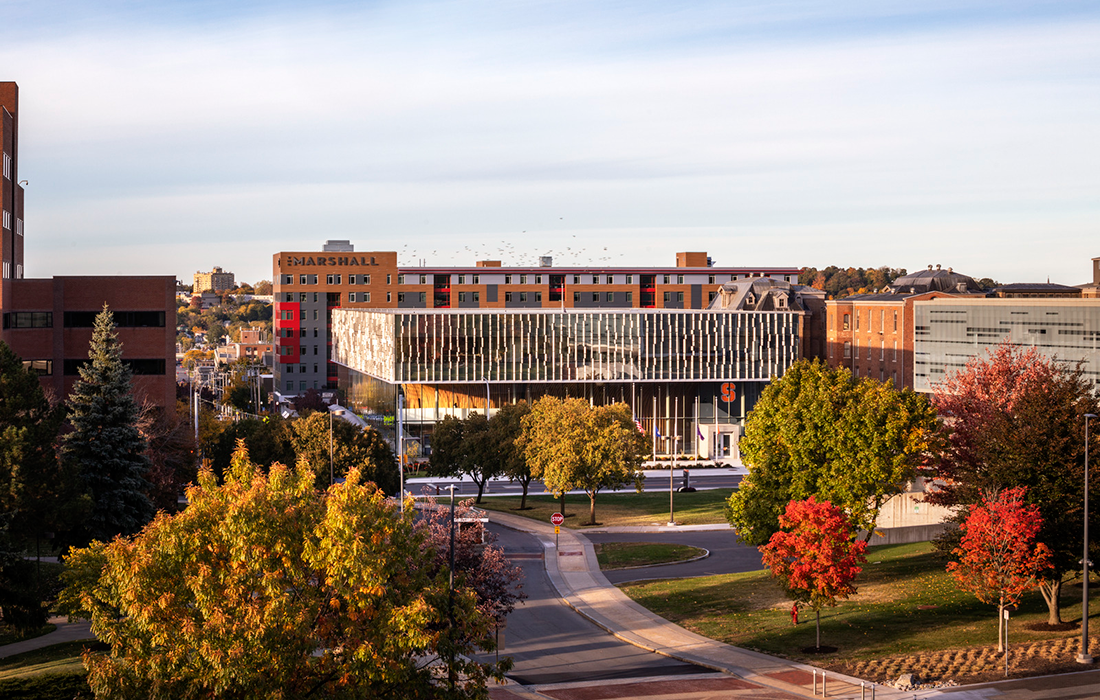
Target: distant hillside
{"x":840,"y":282}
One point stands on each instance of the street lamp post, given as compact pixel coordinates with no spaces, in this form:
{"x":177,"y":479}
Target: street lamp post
{"x":331,"y":476}
{"x":1084,"y":657}
{"x":451,"y":594}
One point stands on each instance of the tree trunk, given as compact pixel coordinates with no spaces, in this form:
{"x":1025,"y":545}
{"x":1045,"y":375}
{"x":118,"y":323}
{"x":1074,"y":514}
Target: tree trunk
{"x":1000,"y":628}
{"x":523,"y":498}
{"x":592,"y":508}
{"x":563,"y":504}
{"x":1052,"y":594}
{"x":818,"y":613}
{"x":481,"y":489}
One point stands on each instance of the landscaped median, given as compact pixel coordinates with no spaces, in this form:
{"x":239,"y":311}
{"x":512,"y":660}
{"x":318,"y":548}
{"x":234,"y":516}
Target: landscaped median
{"x":632,"y":555}
{"x":908,"y":617}
{"x":620,"y":509}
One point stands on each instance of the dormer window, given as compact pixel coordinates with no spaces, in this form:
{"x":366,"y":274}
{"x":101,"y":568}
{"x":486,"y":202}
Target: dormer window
{"x":781,"y":302}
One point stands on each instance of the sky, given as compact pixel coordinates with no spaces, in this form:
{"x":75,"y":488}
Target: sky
{"x":170,"y":137}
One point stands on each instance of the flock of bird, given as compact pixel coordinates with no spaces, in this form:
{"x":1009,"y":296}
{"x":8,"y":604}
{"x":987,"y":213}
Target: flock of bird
{"x":508,"y":254}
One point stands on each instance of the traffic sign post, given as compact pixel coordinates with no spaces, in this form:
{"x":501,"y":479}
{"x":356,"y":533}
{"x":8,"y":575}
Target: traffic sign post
{"x":557,"y":519}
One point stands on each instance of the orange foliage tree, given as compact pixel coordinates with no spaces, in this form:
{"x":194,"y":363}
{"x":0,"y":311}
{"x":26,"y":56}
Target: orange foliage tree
{"x":999,"y":559}
{"x":815,"y":555}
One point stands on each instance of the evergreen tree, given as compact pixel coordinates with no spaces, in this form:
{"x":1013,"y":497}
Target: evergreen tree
{"x":105,"y":446}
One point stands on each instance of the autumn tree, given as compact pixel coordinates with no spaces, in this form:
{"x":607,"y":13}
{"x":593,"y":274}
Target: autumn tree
{"x":819,"y":431}
{"x":105,"y":447}
{"x":999,"y":559}
{"x":267,"y":587}
{"x":572,"y":445}
{"x":353,"y":447}
{"x":1016,"y":419}
{"x":815,"y":556}
{"x":465,"y":447}
{"x":170,"y":449}
{"x":269,"y":439}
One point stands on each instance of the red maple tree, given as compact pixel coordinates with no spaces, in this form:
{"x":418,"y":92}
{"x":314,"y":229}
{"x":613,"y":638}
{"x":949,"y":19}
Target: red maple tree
{"x":999,"y":559}
{"x":815,"y":555}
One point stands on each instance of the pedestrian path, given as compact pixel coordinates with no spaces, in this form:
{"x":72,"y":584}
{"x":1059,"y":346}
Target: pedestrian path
{"x":66,"y":632}
{"x":573,"y":570}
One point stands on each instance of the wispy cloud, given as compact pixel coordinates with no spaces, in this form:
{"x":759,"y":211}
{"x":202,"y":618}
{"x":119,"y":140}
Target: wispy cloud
{"x":867,"y":135}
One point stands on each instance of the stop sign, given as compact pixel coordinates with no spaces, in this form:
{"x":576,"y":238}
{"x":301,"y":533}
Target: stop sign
{"x":557,"y":518}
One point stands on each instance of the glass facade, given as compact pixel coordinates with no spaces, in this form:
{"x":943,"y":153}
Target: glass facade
{"x":548,"y":346}
{"x":948,"y":333}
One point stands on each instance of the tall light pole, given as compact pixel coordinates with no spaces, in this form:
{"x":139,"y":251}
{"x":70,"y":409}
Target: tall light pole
{"x":401,"y":449}
{"x":331,"y":479}
{"x":451,"y":594}
{"x":1084,"y":657}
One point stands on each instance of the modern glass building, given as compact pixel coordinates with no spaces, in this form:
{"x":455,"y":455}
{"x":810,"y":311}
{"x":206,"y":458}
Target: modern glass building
{"x":691,"y":375}
{"x":948,"y":332}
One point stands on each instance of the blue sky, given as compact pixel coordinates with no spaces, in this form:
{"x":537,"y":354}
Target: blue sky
{"x":166,"y":138}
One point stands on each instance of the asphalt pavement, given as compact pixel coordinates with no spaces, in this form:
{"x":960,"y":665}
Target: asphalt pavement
{"x":550,"y":643}
{"x":727,"y":555}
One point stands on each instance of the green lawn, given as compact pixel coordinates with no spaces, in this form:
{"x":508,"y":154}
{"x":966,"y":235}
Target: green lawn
{"x":623,"y":508}
{"x":906,"y":603}
{"x":621,"y":555}
{"x":9,"y":635}
{"x":62,"y":658}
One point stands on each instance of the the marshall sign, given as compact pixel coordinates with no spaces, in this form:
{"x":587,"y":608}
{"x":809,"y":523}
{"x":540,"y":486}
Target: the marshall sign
{"x":334,"y":261}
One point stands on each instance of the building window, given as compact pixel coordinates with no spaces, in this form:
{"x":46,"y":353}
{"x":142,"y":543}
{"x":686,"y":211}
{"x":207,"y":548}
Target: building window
{"x":301,"y":385}
{"x":477,"y":296}
{"x":366,"y":279}
{"x":389,"y":297}
{"x":290,"y":385}
{"x":868,"y":345}
{"x":28,"y":319}
{"x":302,"y":297}
{"x":290,"y":369}
{"x":895,"y":321}
{"x":315,"y":314}
{"x":711,"y":279}
{"x":667,"y":279}
{"x":351,"y":297}
{"x":679,"y":279}
{"x":610,"y":279}
{"x":332,"y":279}
{"x":507,"y":279}
{"x":896,"y":352}
{"x":400,"y":279}
{"x":401,"y":297}
{"x":462,"y":279}
{"x":316,"y":298}
{"x":630,"y":297}
{"x":881,"y":321}
{"x":847,"y":348}
{"x":523,"y":279}
{"x":576,"y":279}
{"x":388,"y":277}
{"x":611,"y":296}
{"x":596,"y":297}
{"x":710,"y":297}
{"x":882,"y":352}
{"x":507,"y":297}
{"x":595,"y":279}
{"x":523,"y":296}
{"x":668,"y":297}
{"x":857,"y":320}
{"x":314,"y":332}
{"x":423,"y":279}
{"x":476,"y":279}
{"x":301,"y":369}
{"x":315,"y":369}
{"x":538,"y":279}
{"x":286,"y":315}
{"x":288,"y":296}
{"x":630,"y":279}
{"x":847,"y":321}
{"x":538,"y":296}
{"x":301,"y":279}
{"x":680,"y":297}
{"x":461,"y":297}
{"x":576,"y":297}
{"x":288,"y":279}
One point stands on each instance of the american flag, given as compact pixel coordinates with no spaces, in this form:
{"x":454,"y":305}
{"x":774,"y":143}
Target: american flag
{"x":639,"y":424}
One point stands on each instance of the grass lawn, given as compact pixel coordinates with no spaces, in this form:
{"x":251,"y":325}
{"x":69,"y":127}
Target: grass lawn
{"x":9,"y":635}
{"x":906,"y":603}
{"x":51,"y":673}
{"x":629,"y":508}
{"x":621,"y":555}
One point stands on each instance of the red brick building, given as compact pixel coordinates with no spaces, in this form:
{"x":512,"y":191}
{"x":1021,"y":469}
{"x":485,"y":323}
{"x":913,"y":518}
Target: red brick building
{"x":48,"y":322}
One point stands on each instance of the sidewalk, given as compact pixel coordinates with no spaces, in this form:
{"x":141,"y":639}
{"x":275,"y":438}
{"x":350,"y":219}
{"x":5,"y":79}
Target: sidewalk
{"x":66,"y":632}
{"x":575,"y":574}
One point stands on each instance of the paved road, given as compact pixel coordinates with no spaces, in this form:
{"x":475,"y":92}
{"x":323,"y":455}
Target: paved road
{"x":727,"y":555}
{"x":551,"y":643}
{"x":699,"y":479}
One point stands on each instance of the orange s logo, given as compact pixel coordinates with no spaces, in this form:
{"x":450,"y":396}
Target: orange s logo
{"x":729,"y":392}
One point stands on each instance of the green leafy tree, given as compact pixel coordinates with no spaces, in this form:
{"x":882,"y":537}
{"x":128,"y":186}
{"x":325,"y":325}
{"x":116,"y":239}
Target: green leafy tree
{"x":265,"y":587}
{"x":572,"y":445}
{"x":821,"y":432}
{"x":269,"y":439}
{"x":352,"y":448}
{"x":506,"y":434}
{"x":815,"y":555}
{"x":1016,"y":419}
{"x":105,"y":446}
{"x":36,"y":496}
{"x":466,"y":447}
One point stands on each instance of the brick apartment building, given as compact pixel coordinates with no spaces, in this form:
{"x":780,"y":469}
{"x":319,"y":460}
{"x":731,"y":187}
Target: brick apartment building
{"x":48,"y":322}
{"x":217,"y":280}
{"x":307,"y":286}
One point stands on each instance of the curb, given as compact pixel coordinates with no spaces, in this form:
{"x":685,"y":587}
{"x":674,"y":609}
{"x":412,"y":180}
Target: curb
{"x":704,"y":555}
